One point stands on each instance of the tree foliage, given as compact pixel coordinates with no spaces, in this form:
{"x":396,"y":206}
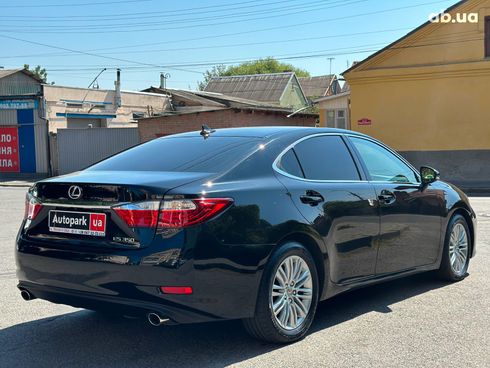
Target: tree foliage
{"x":39,"y":72}
{"x":215,"y":71}
{"x":261,"y":66}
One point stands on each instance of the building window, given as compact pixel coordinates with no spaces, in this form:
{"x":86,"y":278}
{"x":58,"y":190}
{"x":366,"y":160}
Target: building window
{"x":337,"y":119}
{"x":330,"y":118}
{"x":341,"y":119}
{"x":138,"y":115}
{"x":487,"y":37}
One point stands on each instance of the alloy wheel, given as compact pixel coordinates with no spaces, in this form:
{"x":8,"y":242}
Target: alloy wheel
{"x":291,"y":294}
{"x":458,"y":249}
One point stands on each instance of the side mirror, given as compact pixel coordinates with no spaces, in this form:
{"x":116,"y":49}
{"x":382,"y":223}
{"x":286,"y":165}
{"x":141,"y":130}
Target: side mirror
{"x":428,"y":175}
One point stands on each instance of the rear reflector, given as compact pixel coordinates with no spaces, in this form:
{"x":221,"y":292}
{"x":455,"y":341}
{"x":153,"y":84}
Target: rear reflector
{"x":32,"y":207}
{"x":176,"y":290}
{"x":171,"y":213}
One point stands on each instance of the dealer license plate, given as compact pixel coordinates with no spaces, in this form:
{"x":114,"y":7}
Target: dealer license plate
{"x":81,"y":223}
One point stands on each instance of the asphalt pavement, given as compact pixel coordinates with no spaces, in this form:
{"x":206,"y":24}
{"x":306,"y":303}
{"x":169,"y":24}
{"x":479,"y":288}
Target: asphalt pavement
{"x":413,"y":322}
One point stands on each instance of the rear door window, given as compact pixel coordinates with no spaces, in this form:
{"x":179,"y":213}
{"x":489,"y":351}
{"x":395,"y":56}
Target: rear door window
{"x":289,"y":164}
{"x":326,"y":158}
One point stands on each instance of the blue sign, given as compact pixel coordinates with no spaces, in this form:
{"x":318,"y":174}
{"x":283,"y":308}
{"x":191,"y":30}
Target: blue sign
{"x":18,"y":104}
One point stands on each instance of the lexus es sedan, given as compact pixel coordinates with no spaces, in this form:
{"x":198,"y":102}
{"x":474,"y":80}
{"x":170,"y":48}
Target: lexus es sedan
{"x":257,"y":224}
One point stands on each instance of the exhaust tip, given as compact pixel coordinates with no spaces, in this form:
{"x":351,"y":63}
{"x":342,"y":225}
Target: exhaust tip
{"x":156,"y":320}
{"x":26,"y":295}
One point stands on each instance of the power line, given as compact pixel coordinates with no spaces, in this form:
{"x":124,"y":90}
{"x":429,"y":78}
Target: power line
{"x":142,"y":64}
{"x":92,"y":54}
{"x":316,"y":55}
{"x":221,"y":35}
{"x":265,"y":42}
{"x":74,"y":4}
{"x":202,"y":9}
{"x":313,"y":54}
{"x":316,"y":5}
{"x":322,"y":55}
{"x":218,"y":46}
{"x":124,"y":29}
{"x":252,"y":31}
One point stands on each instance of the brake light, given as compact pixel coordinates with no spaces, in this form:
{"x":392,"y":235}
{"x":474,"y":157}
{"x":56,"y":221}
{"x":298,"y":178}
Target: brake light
{"x":32,"y":207}
{"x":185,"y":290}
{"x":142,"y":214}
{"x":186,"y":212}
{"x":176,"y":213}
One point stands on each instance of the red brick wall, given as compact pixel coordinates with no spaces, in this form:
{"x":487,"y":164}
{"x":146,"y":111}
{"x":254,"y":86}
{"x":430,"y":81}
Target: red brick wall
{"x":164,"y":125}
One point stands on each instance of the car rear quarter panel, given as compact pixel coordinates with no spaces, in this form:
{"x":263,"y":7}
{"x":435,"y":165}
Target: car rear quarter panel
{"x":231,"y":251}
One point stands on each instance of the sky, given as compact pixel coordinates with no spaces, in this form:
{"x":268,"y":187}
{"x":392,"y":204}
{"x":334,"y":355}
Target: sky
{"x":75,"y":40}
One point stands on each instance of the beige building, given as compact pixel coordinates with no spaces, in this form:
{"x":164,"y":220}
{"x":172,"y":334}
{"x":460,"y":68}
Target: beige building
{"x":426,"y":94}
{"x":334,"y":110}
{"x":72,"y":107}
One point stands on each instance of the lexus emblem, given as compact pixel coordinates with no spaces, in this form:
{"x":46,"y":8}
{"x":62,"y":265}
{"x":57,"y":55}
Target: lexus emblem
{"x":74,"y":192}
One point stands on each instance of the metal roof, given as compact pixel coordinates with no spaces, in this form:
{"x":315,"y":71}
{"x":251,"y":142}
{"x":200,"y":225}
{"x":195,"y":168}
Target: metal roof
{"x":332,"y":97}
{"x":232,"y":101}
{"x":210,"y":98}
{"x":6,"y":72}
{"x":258,"y":87}
{"x":316,"y":86}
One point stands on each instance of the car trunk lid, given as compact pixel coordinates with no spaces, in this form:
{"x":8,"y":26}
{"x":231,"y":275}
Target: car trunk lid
{"x":79,"y":207}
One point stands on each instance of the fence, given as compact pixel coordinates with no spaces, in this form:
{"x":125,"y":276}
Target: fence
{"x":79,"y":148}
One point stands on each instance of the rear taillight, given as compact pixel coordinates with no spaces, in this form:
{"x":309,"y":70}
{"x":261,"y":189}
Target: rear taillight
{"x":186,"y":212}
{"x":32,"y":207}
{"x":177,"y":213}
{"x":142,"y":214}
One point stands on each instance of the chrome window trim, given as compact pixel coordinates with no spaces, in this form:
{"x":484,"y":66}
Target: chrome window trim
{"x":278,"y":158}
{"x":382,"y":145}
{"x":395,"y":182}
{"x":394,"y":153}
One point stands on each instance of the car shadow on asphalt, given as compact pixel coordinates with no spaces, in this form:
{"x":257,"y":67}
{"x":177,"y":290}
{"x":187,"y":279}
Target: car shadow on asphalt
{"x":87,"y":339}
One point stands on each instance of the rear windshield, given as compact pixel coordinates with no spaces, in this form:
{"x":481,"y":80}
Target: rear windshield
{"x":181,"y":154}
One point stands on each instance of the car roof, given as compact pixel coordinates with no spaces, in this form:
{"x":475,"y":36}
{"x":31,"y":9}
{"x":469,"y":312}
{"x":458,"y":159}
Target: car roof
{"x":268,"y":131}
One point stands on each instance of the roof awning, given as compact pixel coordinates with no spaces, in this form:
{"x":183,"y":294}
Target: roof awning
{"x":85,"y":116}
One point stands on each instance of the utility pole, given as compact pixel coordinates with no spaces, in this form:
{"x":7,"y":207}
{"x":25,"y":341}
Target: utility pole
{"x":330,"y":59}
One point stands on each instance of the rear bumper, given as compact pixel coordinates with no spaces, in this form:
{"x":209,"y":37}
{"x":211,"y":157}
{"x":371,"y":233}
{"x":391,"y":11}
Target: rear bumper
{"x":128,"y":281}
{"x":116,"y":305}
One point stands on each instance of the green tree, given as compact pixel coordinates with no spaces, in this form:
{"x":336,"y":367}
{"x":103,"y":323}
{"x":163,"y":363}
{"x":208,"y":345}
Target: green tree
{"x":215,"y":71}
{"x":39,"y":72}
{"x":261,"y":66}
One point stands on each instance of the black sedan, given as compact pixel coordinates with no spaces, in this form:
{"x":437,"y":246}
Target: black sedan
{"x":258,"y":224}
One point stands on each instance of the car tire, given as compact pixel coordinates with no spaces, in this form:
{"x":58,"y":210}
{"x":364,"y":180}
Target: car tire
{"x":456,"y":253}
{"x":272,"y":323}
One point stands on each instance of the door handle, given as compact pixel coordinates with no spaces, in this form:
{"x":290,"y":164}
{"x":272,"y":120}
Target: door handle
{"x":386,"y":197}
{"x":312,"y":198}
